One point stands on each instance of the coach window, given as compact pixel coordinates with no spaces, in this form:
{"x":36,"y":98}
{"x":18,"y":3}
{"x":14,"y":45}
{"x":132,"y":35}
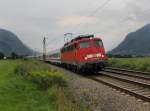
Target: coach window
{"x":84,"y":44}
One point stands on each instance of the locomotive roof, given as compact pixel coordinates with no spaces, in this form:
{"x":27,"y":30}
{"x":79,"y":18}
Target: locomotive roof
{"x":79,"y":39}
{"x":82,"y":37}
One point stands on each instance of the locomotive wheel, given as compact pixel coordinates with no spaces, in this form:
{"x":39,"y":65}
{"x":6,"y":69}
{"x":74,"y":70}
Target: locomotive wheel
{"x":74,"y":69}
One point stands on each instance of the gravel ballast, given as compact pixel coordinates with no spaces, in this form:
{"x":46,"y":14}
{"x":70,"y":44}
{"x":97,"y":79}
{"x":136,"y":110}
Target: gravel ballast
{"x":100,"y":97}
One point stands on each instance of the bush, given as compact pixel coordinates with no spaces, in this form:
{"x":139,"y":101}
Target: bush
{"x":48,"y":79}
{"x":41,"y":75}
{"x":1,"y":55}
{"x":21,"y":70}
{"x":51,"y":81}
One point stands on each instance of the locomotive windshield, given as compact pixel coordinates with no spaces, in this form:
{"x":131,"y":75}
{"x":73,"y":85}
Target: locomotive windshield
{"x":84,"y":44}
{"x":98,"y":43}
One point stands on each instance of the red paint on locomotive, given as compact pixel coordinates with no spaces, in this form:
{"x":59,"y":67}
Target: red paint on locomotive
{"x":84,"y":51}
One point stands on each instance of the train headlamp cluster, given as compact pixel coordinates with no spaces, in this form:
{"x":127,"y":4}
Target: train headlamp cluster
{"x":89,"y":56}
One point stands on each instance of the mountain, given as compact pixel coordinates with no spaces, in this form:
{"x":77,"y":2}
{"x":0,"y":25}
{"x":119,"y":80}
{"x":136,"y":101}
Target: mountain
{"x":9,"y":43}
{"x":136,"y":43}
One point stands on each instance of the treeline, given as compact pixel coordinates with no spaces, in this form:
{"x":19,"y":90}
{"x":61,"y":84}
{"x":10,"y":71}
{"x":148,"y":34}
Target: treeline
{"x":123,"y":56}
{"x":13,"y":55}
{"x":119,"y":56}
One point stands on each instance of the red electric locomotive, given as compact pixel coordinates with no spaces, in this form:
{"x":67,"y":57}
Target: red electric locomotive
{"x":85,"y":52}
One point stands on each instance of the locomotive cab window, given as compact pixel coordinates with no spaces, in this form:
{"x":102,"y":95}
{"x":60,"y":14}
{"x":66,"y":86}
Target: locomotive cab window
{"x":98,"y":43}
{"x":84,"y":44}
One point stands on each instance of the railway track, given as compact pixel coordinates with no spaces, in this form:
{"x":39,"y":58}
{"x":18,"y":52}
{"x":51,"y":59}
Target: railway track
{"x":128,"y":71}
{"x":134,"y":83}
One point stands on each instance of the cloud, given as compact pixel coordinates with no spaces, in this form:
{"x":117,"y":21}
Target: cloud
{"x":33,"y":19}
{"x":4,"y":23}
{"x":76,"y":20}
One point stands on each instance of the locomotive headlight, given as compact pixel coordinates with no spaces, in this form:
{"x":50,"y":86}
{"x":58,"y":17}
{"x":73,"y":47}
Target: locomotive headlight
{"x":98,"y":54}
{"x":85,"y":58}
{"x":89,"y":56}
{"x":102,"y":55}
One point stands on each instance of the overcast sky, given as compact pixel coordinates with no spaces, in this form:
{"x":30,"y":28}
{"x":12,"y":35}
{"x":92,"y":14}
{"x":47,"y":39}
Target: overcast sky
{"x":112,"y":20}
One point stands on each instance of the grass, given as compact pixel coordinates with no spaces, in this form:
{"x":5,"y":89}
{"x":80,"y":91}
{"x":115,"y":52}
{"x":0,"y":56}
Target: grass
{"x":41,"y":74}
{"x":34,"y":86}
{"x":18,"y":94}
{"x":140,"y":64}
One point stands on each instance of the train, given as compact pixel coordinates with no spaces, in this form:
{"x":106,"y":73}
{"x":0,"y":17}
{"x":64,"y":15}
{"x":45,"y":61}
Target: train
{"x":83,"y":53}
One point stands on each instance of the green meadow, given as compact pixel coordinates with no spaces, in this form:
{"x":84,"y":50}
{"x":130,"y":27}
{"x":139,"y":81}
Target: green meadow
{"x":33,"y":86}
{"x":140,"y":64}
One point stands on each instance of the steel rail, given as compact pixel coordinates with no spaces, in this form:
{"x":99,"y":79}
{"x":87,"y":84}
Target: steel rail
{"x":126,"y":80}
{"x":126,"y":70}
{"x":140,"y":96}
{"x":145,"y":77}
{"x":130,"y":87}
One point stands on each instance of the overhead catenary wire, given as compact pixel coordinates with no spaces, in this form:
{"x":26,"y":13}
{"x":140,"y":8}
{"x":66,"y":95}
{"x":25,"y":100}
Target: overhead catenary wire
{"x":101,"y":7}
{"x":129,"y":18}
{"x":98,"y":9}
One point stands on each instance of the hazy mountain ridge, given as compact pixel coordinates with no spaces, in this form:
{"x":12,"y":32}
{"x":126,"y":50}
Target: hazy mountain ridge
{"x":135,"y":43}
{"x":9,"y":43}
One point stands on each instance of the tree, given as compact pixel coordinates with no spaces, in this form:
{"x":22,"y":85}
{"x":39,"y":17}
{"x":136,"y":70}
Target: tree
{"x":14,"y":55}
{"x":2,"y":55}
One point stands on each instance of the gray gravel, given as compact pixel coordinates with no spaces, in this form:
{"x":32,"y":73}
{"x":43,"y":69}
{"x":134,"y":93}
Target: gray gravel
{"x":100,"y":97}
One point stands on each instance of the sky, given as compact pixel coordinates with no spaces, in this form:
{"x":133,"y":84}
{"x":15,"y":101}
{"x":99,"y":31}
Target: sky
{"x":110,"y":20}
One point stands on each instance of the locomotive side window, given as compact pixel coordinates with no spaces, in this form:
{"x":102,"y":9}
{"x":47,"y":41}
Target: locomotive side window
{"x":68,"y":48}
{"x":63,"y":50}
{"x":84,"y":44}
{"x":98,"y":43}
